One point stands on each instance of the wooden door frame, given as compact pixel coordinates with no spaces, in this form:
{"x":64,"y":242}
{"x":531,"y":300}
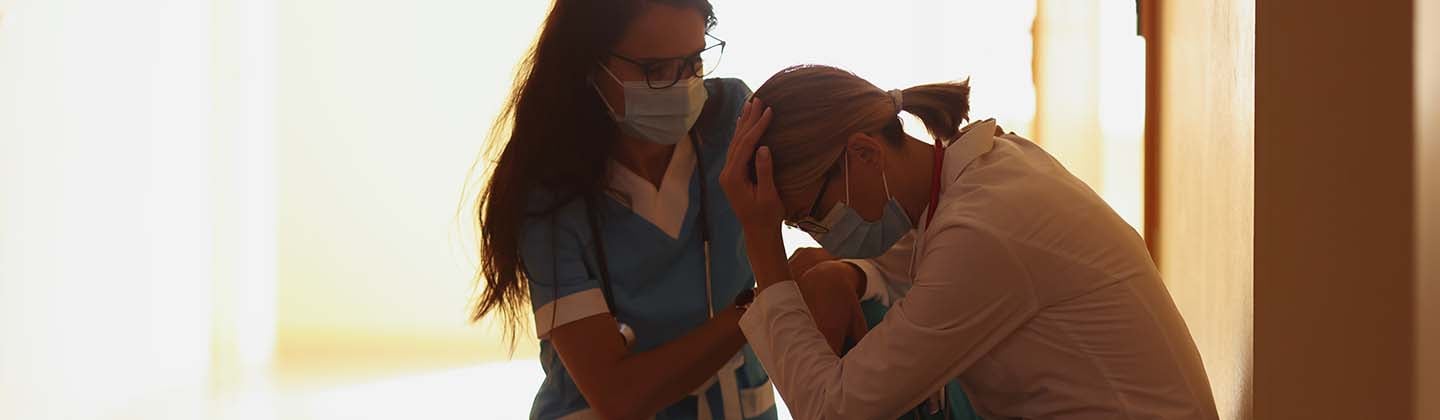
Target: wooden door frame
{"x":1149,"y":28}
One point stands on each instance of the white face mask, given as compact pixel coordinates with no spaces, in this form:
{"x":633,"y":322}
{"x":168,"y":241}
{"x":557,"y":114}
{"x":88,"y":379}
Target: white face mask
{"x":662,"y":116}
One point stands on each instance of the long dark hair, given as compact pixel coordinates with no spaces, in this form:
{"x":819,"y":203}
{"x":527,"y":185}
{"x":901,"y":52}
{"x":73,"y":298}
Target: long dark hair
{"x":553,"y":134}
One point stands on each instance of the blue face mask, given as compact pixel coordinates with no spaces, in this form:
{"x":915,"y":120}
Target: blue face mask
{"x":851,"y":236}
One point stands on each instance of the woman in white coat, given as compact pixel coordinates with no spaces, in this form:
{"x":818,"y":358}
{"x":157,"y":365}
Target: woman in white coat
{"x":1024,"y":284}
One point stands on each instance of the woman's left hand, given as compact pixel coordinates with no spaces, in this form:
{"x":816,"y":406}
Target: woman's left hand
{"x":756,"y":203}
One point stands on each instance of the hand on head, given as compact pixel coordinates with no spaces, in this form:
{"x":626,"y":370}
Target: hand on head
{"x":754,"y":199}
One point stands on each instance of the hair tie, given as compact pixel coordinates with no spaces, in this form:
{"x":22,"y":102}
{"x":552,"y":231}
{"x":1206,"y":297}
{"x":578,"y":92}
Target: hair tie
{"x":898,"y":97}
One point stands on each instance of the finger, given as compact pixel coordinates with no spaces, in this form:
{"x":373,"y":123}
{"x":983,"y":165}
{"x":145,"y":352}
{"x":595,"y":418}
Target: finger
{"x":764,"y":173}
{"x":743,"y":152}
{"x":745,"y":142}
{"x":741,"y":126}
{"x":756,"y":107}
{"x":757,"y":115}
{"x":735,"y":163}
{"x":743,"y":118}
{"x":747,"y":124}
{"x":745,"y":112}
{"x":762,"y":122}
{"x":747,"y":118}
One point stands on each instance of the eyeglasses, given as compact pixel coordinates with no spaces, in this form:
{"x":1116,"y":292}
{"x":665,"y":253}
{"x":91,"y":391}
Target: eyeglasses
{"x":662,"y":73}
{"x":809,"y":223}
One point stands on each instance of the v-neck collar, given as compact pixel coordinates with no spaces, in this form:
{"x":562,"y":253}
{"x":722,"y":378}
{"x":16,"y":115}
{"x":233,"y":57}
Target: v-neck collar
{"x":665,"y":208}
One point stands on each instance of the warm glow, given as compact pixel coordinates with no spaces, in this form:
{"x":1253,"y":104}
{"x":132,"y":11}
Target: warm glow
{"x":1122,"y":112}
{"x":1090,"y":72}
{"x":246,"y":209}
{"x":105,"y":209}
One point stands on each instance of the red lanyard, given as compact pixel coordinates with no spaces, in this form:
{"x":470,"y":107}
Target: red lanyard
{"x":935,"y":183}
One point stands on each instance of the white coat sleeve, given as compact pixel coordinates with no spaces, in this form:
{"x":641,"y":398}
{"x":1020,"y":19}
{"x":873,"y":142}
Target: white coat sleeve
{"x":971,"y":292}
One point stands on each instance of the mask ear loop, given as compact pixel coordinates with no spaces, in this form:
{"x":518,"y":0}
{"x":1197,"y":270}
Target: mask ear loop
{"x":885,"y":182}
{"x":594,"y":84}
{"x":612,"y":74}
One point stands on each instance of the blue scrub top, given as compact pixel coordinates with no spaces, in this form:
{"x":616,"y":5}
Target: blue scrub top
{"x":658,"y":281}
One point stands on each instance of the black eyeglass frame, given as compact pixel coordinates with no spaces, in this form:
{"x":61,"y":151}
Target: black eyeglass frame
{"x":694,"y":62}
{"x":809,"y":223}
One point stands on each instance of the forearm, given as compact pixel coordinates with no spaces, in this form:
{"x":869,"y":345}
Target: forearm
{"x":656,"y":378}
{"x":766,"y":251}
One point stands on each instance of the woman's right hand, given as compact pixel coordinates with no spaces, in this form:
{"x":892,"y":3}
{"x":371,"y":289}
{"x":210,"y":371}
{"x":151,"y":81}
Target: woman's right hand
{"x":753,"y":198}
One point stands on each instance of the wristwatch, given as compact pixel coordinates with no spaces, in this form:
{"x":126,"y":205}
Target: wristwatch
{"x":744,"y":299}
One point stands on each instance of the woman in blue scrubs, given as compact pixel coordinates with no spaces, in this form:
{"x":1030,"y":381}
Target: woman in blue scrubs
{"x":603,"y":218}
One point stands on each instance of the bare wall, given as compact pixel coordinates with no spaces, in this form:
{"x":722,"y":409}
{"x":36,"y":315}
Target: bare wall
{"x":1206,"y":182}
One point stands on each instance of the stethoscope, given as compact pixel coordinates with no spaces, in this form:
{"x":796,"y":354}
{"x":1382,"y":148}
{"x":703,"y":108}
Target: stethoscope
{"x":727,"y":384}
{"x":703,"y":217}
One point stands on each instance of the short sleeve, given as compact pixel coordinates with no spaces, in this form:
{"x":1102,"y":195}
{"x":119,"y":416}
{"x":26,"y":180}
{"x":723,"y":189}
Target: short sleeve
{"x":727,"y":97}
{"x":564,"y":287}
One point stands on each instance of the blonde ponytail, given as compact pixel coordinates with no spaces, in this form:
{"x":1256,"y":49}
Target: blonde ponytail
{"x":942,"y":107}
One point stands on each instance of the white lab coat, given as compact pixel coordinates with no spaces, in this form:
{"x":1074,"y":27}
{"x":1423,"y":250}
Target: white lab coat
{"x":1026,"y":286}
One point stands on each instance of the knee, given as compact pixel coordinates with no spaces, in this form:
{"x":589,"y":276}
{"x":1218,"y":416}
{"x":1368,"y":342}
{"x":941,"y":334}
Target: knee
{"x":827,"y":271}
{"x":836,"y":275}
